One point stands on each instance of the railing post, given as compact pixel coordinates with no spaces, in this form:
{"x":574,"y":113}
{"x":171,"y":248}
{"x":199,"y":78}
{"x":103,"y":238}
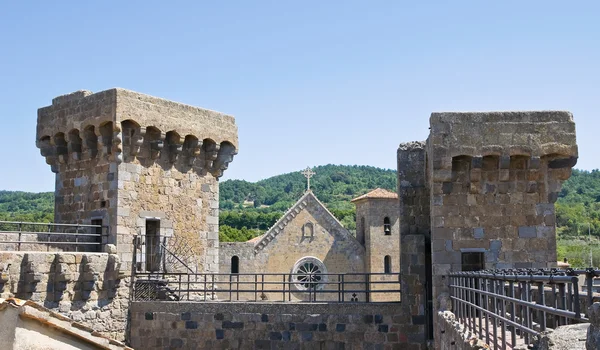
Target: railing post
{"x":576,"y":304}
{"x":527,"y":319}
{"x":368,"y":286}
{"x":495,"y":311}
{"x":342,"y":283}
{"x":205,"y":287}
{"x":562,"y":302}
{"x":487,"y":307}
{"x":513,"y":331}
{"x":48,"y":239}
{"x":19,"y":229}
{"x":590,"y":284}
{"x":480,"y":303}
{"x":77,"y":238}
{"x":542,"y":301}
{"x":502,"y":292}
{"x":212,"y":292}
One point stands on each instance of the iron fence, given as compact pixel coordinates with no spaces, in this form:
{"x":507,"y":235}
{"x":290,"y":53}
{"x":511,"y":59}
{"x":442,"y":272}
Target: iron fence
{"x":508,"y":307}
{"x":272,"y":287}
{"x":35,"y":236}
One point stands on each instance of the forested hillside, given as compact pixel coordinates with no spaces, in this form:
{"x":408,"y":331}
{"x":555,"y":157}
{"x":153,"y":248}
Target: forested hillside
{"x":579,"y":204}
{"x":248,"y":209}
{"x":25,"y":206}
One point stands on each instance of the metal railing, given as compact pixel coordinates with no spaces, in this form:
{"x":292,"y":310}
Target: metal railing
{"x":271,"y":287}
{"x":508,"y":307}
{"x":35,"y":236}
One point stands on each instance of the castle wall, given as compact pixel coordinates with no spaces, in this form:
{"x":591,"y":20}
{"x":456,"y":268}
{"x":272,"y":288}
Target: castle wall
{"x":86,"y":287}
{"x":244,"y":251}
{"x":265,"y":326}
{"x":125,"y":157}
{"x":490,"y":180}
{"x":413,"y":194}
{"x":186,"y":204}
{"x":494,"y":182}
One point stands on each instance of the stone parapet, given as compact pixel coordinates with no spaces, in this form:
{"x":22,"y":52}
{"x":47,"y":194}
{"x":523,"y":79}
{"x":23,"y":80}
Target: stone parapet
{"x":86,"y":287}
{"x":160,"y":325}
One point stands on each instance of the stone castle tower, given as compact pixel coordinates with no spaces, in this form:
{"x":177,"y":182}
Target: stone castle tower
{"x":141,"y":166}
{"x":478,"y":194}
{"x":378,"y":230}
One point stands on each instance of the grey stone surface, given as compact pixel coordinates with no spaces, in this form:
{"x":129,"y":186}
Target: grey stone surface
{"x":486,"y":182}
{"x":527,"y":232}
{"x":266,"y":325}
{"x":571,"y":337}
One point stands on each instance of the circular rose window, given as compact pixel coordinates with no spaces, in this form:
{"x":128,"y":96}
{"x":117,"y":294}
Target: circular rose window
{"x":308,"y":273}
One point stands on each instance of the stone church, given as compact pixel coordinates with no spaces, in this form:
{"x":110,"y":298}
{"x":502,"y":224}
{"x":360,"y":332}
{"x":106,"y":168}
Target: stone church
{"x":308,"y":238}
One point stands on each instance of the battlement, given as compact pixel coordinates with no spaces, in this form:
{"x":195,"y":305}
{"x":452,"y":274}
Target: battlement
{"x":139,"y":166}
{"x":119,"y":125}
{"x":534,"y":134}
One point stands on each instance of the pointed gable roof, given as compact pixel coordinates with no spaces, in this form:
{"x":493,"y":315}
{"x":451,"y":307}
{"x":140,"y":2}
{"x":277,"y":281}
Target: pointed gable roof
{"x":378,"y":193}
{"x":289,"y":215}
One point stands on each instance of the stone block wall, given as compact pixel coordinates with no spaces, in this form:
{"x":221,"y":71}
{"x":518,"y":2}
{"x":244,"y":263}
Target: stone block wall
{"x":125,"y":157}
{"x":413,"y":196}
{"x":245,"y":253}
{"x":494,"y":178}
{"x":266,"y":326}
{"x":87,"y":287}
{"x":491,"y":180}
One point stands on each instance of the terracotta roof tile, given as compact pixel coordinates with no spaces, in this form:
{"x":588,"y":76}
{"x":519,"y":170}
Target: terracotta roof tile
{"x":377,"y":193}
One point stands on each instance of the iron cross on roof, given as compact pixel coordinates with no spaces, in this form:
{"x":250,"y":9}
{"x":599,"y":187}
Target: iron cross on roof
{"x":308,"y":173}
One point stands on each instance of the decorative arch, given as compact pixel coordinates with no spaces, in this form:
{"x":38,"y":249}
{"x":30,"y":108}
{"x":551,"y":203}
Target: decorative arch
{"x":309,"y":273}
{"x":387,"y":226}
{"x":308,"y":231}
{"x":90,"y":139}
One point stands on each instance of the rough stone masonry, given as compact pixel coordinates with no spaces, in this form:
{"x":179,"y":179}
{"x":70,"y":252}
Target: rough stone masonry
{"x":123,"y":159}
{"x":479,"y":193}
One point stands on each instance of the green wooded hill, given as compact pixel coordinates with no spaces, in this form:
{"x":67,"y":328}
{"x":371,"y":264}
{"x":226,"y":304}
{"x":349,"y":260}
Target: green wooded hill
{"x":25,"y":206}
{"x":248,"y":209}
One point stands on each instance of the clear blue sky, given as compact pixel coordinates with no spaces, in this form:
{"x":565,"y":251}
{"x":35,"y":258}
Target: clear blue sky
{"x":309,"y":83}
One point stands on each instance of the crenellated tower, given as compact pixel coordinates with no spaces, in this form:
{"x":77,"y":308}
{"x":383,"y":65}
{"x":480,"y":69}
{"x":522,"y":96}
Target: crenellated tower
{"x":140,"y":165}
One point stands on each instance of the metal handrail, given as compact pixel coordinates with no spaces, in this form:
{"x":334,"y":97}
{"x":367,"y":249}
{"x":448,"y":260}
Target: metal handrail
{"x":217,"y":286}
{"x":49,"y":234}
{"x":523,"y":300}
{"x":47,"y":223}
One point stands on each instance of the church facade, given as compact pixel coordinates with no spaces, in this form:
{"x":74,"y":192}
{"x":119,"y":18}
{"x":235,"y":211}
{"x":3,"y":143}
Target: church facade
{"x":309,"y":239}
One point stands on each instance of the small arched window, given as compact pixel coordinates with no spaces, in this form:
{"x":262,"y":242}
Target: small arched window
{"x":387,"y":264}
{"x":308,"y":231}
{"x":387,"y":228}
{"x":235,"y":264}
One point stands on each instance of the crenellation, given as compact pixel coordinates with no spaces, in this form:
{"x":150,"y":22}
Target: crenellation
{"x":492,"y":181}
{"x":118,"y":155}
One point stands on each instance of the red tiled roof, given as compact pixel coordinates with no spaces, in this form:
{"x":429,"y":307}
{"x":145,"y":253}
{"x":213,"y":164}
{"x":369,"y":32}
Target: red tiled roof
{"x":377,"y":193}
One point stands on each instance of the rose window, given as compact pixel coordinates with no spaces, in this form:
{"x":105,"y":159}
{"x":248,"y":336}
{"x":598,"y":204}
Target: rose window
{"x":308,"y":273}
